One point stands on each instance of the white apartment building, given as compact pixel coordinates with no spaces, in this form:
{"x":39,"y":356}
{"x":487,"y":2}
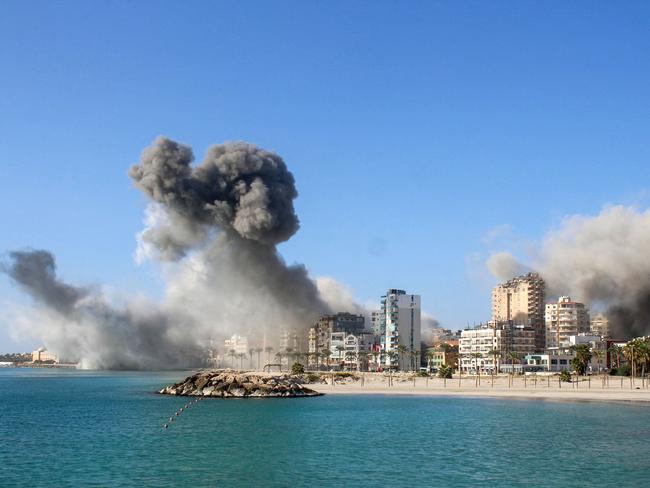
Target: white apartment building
{"x":519,"y":339}
{"x":563,"y":319}
{"x":521,"y":300}
{"x":237,"y":343}
{"x":400,"y":317}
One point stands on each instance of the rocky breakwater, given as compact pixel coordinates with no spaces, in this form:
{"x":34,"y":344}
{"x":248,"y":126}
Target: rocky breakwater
{"x":233,"y":384}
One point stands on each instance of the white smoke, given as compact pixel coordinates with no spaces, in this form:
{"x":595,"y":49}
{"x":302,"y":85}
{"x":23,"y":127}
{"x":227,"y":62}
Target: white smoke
{"x":602,"y":260}
{"x":216,"y":227}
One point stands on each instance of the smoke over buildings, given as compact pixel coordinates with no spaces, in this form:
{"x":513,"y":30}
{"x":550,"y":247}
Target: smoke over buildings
{"x":602,"y":260}
{"x":217,"y":225}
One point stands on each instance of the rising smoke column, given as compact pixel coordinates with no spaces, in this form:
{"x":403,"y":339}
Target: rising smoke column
{"x":603,"y":260}
{"x":81,"y":325}
{"x":216,"y":226}
{"x":231,"y":210}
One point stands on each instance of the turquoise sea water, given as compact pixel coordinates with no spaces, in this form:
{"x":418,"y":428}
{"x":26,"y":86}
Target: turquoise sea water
{"x":86,"y":429}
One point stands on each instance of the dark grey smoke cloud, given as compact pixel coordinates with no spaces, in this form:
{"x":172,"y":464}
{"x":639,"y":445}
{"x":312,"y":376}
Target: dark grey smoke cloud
{"x":35,"y":272}
{"x":239,"y":188}
{"x":83,"y":327}
{"x":216,"y":227}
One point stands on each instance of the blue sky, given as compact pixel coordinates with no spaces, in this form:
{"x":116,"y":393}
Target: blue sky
{"x":413,"y":129}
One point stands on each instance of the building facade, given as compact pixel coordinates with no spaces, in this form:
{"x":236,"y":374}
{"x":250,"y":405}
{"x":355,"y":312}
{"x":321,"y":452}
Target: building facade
{"x":236,"y":343}
{"x":401,"y":318}
{"x":477,"y":346}
{"x":599,"y":325}
{"x":42,"y":355}
{"x":321,"y":332}
{"x":521,"y":300}
{"x":563,"y":319}
{"x":437,"y":356}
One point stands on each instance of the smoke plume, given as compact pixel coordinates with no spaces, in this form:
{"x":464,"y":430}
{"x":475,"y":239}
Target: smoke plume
{"x":601,"y":260}
{"x":216,"y":226}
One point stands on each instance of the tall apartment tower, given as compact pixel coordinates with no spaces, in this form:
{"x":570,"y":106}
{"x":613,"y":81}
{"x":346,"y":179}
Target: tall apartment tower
{"x":400,"y":318}
{"x":563,"y":319}
{"x":521,"y":301}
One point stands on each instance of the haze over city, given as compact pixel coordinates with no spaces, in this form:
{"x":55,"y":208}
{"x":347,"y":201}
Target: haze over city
{"x":422,"y":149}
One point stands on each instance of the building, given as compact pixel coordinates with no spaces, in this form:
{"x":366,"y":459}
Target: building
{"x":358,"y":348}
{"x":236,"y":343}
{"x":521,"y":300}
{"x":290,"y":340}
{"x":400,"y":317}
{"x":376,"y":323}
{"x":477,"y":346}
{"x":548,"y":362}
{"x":599,"y":325}
{"x":564,"y":319}
{"x":320,"y":335}
{"x":42,"y":355}
{"x":437,"y":356}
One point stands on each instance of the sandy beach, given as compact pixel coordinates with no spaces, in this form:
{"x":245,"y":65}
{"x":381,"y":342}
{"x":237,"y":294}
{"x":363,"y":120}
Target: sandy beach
{"x":541,"y":388}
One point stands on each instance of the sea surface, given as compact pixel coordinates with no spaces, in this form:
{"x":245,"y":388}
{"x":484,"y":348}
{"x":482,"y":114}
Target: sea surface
{"x":65,"y":428}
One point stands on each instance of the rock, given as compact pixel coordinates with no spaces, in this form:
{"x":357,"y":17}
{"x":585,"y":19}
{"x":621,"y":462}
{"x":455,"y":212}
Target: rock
{"x":231,"y":384}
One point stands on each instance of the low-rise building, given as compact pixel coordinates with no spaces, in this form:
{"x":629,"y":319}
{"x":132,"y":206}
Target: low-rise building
{"x":442,"y":354}
{"x":42,"y":355}
{"x":321,"y":333}
{"x":487,"y":347}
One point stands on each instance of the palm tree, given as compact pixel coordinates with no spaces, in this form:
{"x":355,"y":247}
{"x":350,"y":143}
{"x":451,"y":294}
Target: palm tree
{"x":599,"y":354}
{"x":582,"y":357}
{"x":251,"y":351}
{"x":362,"y":357}
{"x":416,"y":354}
{"x":392,"y":355}
{"x":231,"y":354}
{"x":400,"y":352}
{"x":496,"y":354}
{"x":288,"y":351}
{"x":258,"y":351}
{"x":376,"y":355}
{"x":268,"y":350}
{"x":241,"y":357}
{"x":513,"y":356}
{"x":477,"y":356}
{"x":339,"y":350}
{"x":617,"y":351}
{"x":279,"y":355}
{"x":327,"y":354}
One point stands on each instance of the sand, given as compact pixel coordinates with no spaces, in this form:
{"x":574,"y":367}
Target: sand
{"x":544,"y":388}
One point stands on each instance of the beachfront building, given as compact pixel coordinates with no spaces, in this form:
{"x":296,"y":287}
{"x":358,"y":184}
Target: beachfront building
{"x":42,"y":355}
{"x":488,"y":347}
{"x":521,"y":300}
{"x":236,"y":343}
{"x":400,"y":317}
{"x":358,"y":348}
{"x":336,"y":326}
{"x":565,"y":318}
{"x":442,"y":354}
{"x":548,"y":362}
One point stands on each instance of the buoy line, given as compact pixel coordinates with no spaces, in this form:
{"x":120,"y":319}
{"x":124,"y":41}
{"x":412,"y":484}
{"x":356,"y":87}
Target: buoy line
{"x":178,"y":412}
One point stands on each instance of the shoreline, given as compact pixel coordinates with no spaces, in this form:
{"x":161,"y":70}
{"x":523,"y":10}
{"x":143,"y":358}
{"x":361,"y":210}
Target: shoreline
{"x":632,"y":396}
{"x":587,"y":390}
